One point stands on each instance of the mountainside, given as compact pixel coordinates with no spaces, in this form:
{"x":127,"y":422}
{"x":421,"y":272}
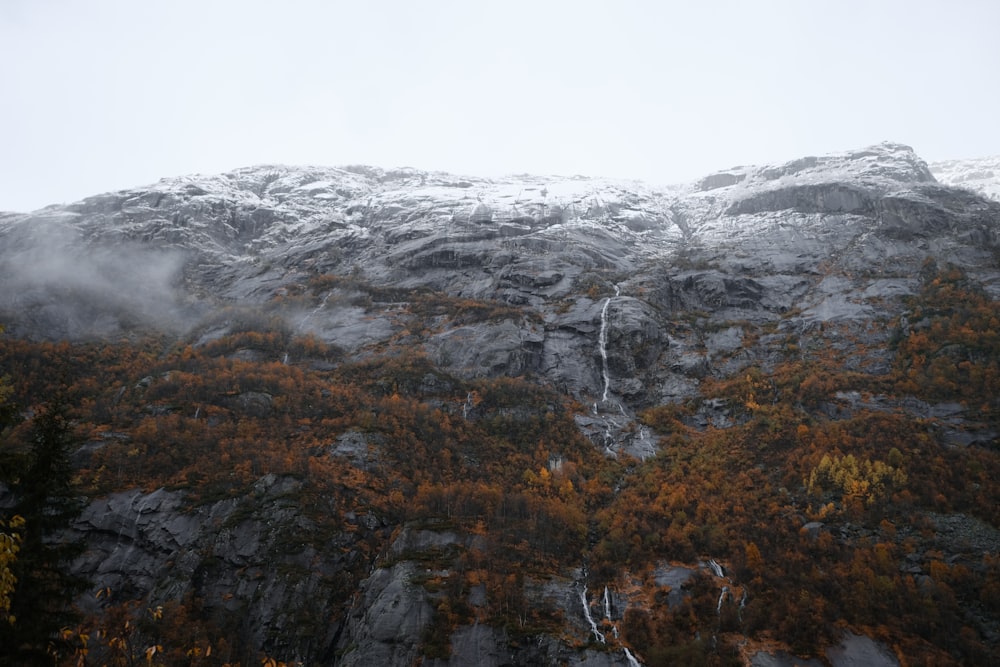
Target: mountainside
{"x":350,"y":416}
{"x":981,"y":175}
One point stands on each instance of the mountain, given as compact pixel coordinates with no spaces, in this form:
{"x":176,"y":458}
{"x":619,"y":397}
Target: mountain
{"x":351,"y":416}
{"x":982,"y":175}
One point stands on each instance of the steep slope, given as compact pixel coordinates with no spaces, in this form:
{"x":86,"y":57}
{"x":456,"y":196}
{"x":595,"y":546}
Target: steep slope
{"x":456,"y":408}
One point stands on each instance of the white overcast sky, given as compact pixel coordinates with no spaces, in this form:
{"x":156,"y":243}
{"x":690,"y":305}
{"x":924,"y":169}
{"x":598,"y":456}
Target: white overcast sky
{"x":98,"y":95}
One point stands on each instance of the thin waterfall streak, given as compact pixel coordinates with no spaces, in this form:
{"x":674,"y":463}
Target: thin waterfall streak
{"x":315,"y":310}
{"x":722,"y":596}
{"x":590,"y":619}
{"x":602,"y":341}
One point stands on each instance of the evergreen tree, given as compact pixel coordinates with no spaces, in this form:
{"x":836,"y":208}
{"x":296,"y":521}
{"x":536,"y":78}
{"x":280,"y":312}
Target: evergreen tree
{"x":42,"y":493}
{"x":10,"y":524}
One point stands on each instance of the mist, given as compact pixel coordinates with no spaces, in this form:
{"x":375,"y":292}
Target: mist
{"x":58,"y":285}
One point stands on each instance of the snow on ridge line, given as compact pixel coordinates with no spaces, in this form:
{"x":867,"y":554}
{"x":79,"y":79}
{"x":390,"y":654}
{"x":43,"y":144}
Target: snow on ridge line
{"x":296,"y":201}
{"x":262,"y":178}
{"x":981,"y":175}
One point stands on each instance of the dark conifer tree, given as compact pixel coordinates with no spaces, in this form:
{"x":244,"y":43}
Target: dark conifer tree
{"x":42,"y":493}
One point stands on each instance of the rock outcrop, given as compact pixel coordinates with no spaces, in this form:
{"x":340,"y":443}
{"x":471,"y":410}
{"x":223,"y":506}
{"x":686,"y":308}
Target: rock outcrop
{"x":619,"y":295}
{"x":256,"y":552}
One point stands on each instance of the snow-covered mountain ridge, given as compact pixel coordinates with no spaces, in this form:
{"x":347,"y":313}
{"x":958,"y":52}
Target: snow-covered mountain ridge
{"x":823,"y":236}
{"x":981,"y":175}
{"x":190,"y":243}
{"x":729,"y":331}
{"x":270,"y":203}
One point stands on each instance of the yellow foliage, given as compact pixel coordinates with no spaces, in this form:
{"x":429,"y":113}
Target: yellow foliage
{"x":854,"y":479}
{"x":755,"y":562}
{"x":10,"y":544}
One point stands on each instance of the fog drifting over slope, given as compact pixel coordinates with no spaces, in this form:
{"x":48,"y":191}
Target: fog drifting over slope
{"x":75,"y":290}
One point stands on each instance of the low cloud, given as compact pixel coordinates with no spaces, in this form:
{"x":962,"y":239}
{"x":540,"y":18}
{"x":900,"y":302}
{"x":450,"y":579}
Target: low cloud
{"x":57,"y":285}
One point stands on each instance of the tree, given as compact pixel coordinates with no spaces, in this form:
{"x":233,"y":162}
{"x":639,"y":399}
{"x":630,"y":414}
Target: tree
{"x":42,"y":596}
{"x":10,"y":545}
{"x":10,"y":526}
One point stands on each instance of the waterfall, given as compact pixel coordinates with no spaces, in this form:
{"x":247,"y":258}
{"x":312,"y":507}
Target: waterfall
{"x":467,"y":405}
{"x":315,"y":310}
{"x":609,"y":438}
{"x":602,"y":341}
{"x":722,"y":596}
{"x":716,"y":568}
{"x":598,"y":635}
{"x":606,"y":601}
{"x":590,"y":619}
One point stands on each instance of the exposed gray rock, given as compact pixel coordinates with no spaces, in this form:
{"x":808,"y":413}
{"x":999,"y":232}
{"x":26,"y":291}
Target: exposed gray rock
{"x":838,"y":300}
{"x":674,"y":577}
{"x":361,"y":449}
{"x":490,"y":647}
{"x":417,"y":541}
{"x":713,"y":412}
{"x":675,"y":278}
{"x":933,"y":210}
{"x":852,"y":651}
{"x":724,"y":342}
{"x":676,"y":388}
{"x":781,"y":659}
{"x":965,"y":534}
{"x":634,"y":338}
{"x":952,"y":421}
{"x":723,"y":179}
{"x":825,"y":198}
{"x":860,"y":651}
{"x":386,"y":626}
{"x":488,"y":349}
{"x":348,"y":327}
{"x":245,"y":235}
{"x":252,"y":552}
{"x":253,"y":403}
{"x":477,"y":645}
{"x":709,"y":290}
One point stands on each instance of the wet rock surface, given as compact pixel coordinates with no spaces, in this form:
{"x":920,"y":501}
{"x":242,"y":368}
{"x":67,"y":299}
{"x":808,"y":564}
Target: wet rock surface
{"x":256,"y":550}
{"x":620,"y":295}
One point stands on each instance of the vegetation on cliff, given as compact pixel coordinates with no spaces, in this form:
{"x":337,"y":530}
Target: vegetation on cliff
{"x":821,"y":495}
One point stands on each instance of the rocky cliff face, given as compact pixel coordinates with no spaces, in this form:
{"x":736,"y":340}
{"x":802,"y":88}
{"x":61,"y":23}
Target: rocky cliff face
{"x":618,"y":295}
{"x":749,"y":243}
